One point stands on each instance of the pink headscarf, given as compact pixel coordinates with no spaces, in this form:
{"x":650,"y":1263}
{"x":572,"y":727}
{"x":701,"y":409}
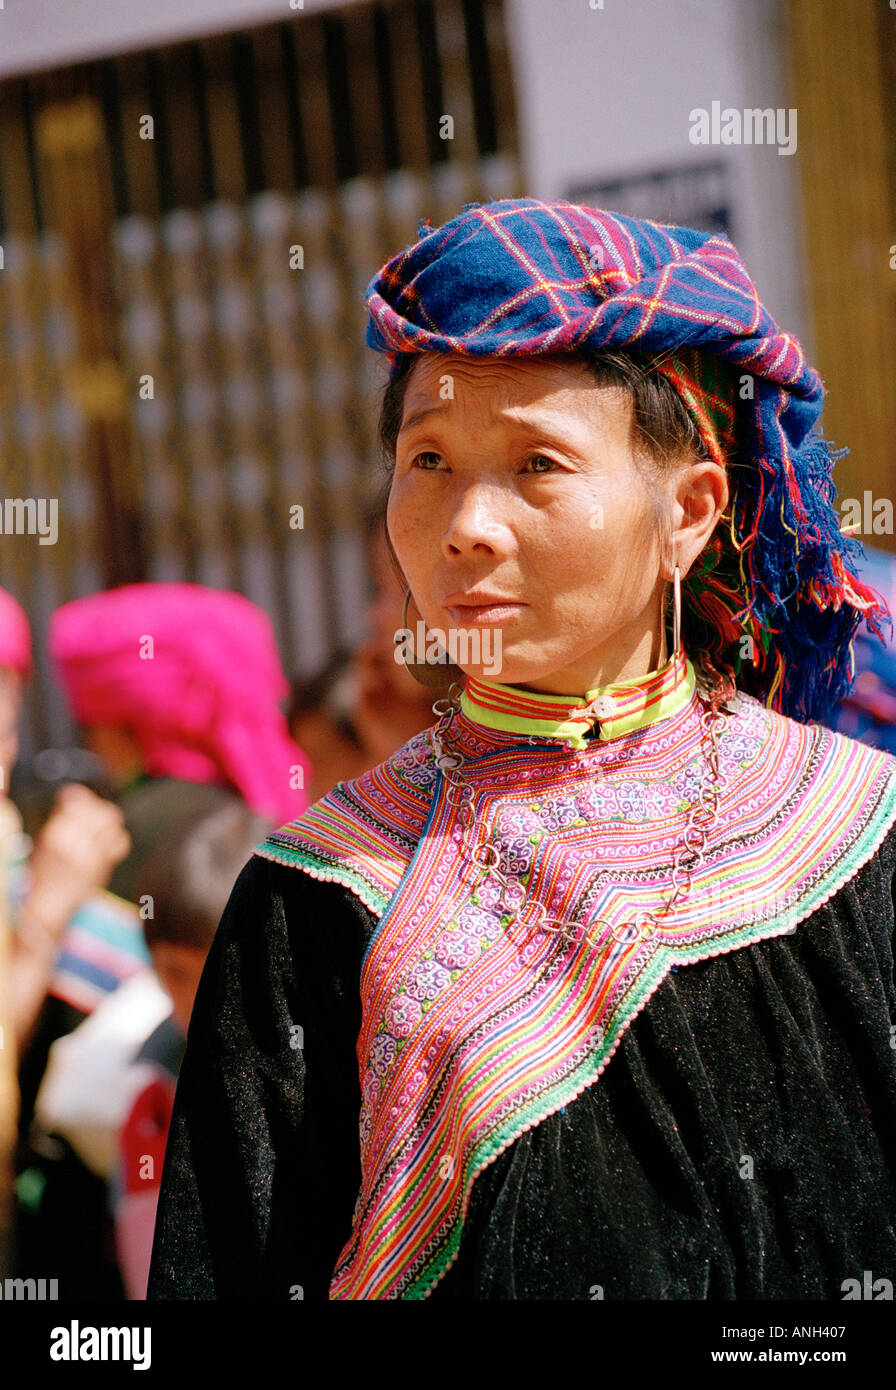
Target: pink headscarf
{"x":15,"y":636}
{"x":194,"y":674}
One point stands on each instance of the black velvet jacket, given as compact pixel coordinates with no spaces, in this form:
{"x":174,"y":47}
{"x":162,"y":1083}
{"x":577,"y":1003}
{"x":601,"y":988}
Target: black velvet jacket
{"x":741,"y":1143}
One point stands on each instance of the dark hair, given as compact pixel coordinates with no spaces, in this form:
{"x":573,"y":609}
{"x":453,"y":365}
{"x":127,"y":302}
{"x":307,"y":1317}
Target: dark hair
{"x":191,"y":872}
{"x":664,"y":433}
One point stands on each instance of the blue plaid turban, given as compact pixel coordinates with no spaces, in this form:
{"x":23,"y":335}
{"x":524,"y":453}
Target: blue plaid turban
{"x":523,"y":277}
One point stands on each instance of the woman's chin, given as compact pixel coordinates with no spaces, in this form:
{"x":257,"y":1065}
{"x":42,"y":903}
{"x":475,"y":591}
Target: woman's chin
{"x":511,"y":669}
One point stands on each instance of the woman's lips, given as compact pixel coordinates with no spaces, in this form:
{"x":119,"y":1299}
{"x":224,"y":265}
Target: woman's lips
{"x":483,"y":614}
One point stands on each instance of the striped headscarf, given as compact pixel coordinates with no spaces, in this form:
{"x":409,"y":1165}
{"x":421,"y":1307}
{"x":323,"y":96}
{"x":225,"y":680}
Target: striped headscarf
{"x":773,"y":599}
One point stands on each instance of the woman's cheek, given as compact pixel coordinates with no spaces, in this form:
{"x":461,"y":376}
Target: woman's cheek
{"x":400,"y":518}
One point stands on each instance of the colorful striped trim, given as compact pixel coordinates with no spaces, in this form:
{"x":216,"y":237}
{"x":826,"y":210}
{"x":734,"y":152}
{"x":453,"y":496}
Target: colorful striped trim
{"x":618,"y":709}
{"x":362,"y":833}
{"x":103,"y":945}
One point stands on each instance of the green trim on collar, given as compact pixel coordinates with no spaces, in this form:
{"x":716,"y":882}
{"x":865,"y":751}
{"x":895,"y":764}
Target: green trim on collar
{"x":618,"y":708}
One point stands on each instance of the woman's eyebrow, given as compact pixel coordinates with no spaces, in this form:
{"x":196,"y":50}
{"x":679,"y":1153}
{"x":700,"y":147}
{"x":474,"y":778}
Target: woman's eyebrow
{"x":417,"y":417}
{"x":549,"y":426}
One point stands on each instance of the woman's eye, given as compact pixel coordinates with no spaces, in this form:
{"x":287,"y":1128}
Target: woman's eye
{"x":424,"y":461}
{"x":540,"y":463}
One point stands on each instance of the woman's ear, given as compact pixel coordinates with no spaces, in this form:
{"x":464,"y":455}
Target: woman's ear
{"x":700,"y":495}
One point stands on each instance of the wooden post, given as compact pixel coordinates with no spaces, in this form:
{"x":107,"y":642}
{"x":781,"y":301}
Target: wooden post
{"x":74,"y":158}
{"x":838,"y":76}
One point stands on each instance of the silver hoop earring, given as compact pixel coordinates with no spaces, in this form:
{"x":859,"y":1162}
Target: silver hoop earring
{"x":676,"y":611}
{"x":432,"y":675}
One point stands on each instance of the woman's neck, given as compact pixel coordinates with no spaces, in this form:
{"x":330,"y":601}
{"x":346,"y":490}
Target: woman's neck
{"x":600,"y":672}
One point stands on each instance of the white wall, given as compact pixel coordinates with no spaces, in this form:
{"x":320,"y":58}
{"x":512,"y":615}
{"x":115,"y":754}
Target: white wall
{"x":36,"y":34}
{"x":605,"y":93}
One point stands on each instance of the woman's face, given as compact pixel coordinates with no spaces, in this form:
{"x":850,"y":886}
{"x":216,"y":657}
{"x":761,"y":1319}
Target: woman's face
{"x":515,"y":481}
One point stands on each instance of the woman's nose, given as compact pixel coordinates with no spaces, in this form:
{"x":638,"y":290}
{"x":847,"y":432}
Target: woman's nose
{"x":478,"y":520}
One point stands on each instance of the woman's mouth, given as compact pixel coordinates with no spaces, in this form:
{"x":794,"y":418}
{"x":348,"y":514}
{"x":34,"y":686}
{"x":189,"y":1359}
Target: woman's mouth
{"x":489,"y":612}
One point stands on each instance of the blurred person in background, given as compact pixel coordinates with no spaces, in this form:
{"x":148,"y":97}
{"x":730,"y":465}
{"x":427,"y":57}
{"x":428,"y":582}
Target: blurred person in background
{"x":177,"y":690}
{"x":364,"y":704}
{"x":9,"y":1096}
{"x":187,"y":882}
{"x":43,"y":888}
{"x":322,"y":716}
{"x":73,"y":856}
{"x":15,"y":663}
{"x":869,"y":710}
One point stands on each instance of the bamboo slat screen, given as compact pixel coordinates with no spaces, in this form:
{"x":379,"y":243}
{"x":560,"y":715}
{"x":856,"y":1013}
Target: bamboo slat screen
{"x":843,"y":74}
{"x":187,"y":234}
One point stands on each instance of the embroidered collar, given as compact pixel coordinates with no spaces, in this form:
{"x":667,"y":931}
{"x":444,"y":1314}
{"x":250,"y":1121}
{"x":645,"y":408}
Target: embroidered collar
{"x":478,"y":1019}
{"x":611,"y":710}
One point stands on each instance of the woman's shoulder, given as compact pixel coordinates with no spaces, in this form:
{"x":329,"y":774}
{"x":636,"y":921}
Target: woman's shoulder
{"x":362,"y":834}
{"x":807,"y":806}
{"x":836,"y":752}
{"x":281,"y":924}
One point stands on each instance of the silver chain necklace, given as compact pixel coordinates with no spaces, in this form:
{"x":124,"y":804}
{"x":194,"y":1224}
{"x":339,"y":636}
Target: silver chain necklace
{"x":513,"y":896}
